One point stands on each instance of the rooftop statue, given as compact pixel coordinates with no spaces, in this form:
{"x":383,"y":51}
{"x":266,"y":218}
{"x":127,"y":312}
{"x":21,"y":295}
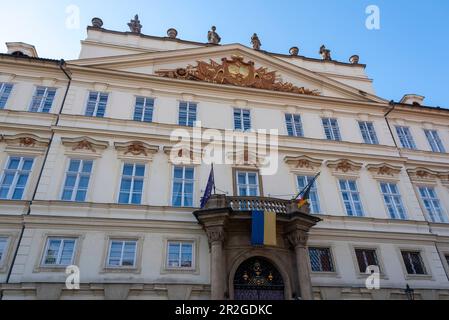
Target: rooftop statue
{"x":325,"y":53}
{"x":134,"y":25}
{"x":256,"y":42}
{"x":213,"y":37}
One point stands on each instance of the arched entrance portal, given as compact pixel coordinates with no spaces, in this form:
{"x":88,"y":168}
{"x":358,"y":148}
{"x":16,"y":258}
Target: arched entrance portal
{"x":258,"y":279}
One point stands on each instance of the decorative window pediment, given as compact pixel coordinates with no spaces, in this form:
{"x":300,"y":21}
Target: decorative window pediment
{"x":423,"y":175}
{"x":26,"y":142}
{"x":303,"y":163}
{"x":184,"y":155}
{"x":344,"y":166}
{"x":247,"y":158}
{"x":136,"y":150}
{"x":83,"y":145}
{"x":444,"y":178}
{"x":384,"y":170}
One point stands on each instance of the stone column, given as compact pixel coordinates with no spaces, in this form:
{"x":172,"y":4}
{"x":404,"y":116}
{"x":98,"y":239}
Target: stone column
{"x":216,"y":237}
{"x":298,"y":240}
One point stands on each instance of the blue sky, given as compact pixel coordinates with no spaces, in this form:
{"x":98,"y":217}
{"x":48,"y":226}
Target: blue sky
{"x":408,"y":54}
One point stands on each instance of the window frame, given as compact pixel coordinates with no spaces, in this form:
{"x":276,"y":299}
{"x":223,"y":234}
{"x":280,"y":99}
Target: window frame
{"x":3,"y":97}
{"x":133,"y":178}
{"x":370,"y":136}
{"x":17,"y":173}
{"x":181,"y":242}
{"x":241,"y":119}
{"x":333,"y":262}
{"x":351,"y":179}
{"x":189,"y":104}
{"x":236,"y":171}
{"x":434,"y":140}
{"x":428,"y":215}
{"x":183,"y":179}
{"x":5,"y":252}
{"x":43,"y":99}
{"x":144,"y":107}
{"x":296,"y":127}
{"x":314,"y":189}
{"x":335,"y":133}
{"x":391,"y":195}
{"x":123,"y":241}
{"x":405,"y":133}
{"x":427,"y":270}
{"x":76,"y":186}
{"x":97,"y":102}
{"x":48,"y":238}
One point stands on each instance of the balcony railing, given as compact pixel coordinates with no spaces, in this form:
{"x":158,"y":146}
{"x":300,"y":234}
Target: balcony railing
{"x":258,"y":203}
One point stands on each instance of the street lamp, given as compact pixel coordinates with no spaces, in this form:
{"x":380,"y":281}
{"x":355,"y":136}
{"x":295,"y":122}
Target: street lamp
{"x":410,"y":293}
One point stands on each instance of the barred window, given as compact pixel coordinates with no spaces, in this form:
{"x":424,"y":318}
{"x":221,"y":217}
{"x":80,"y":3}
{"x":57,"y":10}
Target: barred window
{"x":321,"y":260}
{"x":365,"y":258}
{"x":413,"y":262}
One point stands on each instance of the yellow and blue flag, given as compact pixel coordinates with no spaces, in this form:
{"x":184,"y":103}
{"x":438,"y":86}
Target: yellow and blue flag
{"x":263,"y":230}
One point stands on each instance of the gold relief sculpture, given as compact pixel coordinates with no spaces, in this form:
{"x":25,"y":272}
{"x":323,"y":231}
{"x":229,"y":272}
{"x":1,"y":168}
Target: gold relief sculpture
{"x":235,"y":72}
{"x":27,"y":141}
{"x":136,"y":149}
{"x":84,"y":144}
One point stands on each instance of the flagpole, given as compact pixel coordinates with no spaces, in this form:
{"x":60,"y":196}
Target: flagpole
{"x":213,"y":175}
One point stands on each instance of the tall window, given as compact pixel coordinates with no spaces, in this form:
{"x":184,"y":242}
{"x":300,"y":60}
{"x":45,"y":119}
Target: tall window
{"x":242,"y":119}
{"x":431,"y":203}
{"x":143,"y":110}
{"x":187,"y":114}
{"x":368,"y":132}
{"x":447,"y":259}
{"x":247,"y":183}
{"x":365,"y":258}
{"x":180,"y":254}
{"x":5,"y":90}
{"x":59,"y":251}
{"x":434,"y":141}
{"x":405,"y":137}
{"x":96,"y":104}
{"x":351,"y":197}
{"x":42,"y":99}
{"x":3,"y":245}
{"x":331,"y":129}
{"x":122,"y":253}
{"x":15,"y":177}
{"x":392,"y":200}
{"x":77,"y":180}
{"x":321,"y":260}
{"x":132,"y":183}
{"x":413,"y":262}
{"x":303,"y":181}
{"x":183,"y":182}
{"x":294,"y":125}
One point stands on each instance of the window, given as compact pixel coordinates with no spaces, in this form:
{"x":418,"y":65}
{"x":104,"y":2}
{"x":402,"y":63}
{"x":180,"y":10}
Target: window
{"x":42,"y":99}
{"x":3,"y":246}
{"x":431,"y":203}
{"x":242,"y":119}
{"x":303,"y":181}
{"x":247,"y":183}
{"x":365,"y":258}
{"x":183,"y":182}
{"x":122,"y":253}
{"x":77,"y":180}
{"x":294,"y":125}
{"x":15,"y":176}
{"x":132,"y":183}
{"x":5,"y":90}
{"x":368,"y":132}
{"x":392,"y":200}
{"x":351,"y":198}
{"x":434,"y":141}
{"x":405,"y":137}
{"x":321,"y":260}
{"x":447,"y":259}
{"x":143,"y":111}
{"x":187,"y":114}
{"x":413,"y":262}
{"x":96,"y":104}
{"x":180,"y":254}
{"x":331,"y":129}
{"x":59,"y":251}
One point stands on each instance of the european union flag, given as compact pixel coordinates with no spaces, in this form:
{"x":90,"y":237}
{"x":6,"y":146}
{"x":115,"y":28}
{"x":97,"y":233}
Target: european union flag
{"x":210,"y":185}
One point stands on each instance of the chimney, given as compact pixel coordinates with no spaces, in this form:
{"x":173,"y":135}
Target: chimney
{"x":413,"y":99}
{"x":21,"y":49}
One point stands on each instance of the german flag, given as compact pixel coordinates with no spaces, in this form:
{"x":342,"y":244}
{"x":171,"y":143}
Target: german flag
{"x":303,"y":196}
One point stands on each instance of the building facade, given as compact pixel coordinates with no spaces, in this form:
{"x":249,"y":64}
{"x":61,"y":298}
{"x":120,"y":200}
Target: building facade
{"x":88,"y":177}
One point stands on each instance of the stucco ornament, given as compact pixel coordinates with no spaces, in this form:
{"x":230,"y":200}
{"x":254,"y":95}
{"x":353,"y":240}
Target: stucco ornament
{"x":212,"y":36}
{"x":134,"y":25}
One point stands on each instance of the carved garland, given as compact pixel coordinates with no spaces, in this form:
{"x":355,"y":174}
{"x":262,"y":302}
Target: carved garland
{"x":344,"y":165}
{"x":235,"y":72}
{"x":26,"y":140}
{"x":383,"y":169}
{"x":303,"y":162}
{"x":136,"y":148}
{"x":84,"y":143}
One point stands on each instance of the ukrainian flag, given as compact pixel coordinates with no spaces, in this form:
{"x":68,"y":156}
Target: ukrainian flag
{"x":263,"y":228}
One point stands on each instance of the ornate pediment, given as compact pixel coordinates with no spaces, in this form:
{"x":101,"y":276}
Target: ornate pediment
{"x":234,"y":72}
{"x":25,"y":140}
{"x":183,"y":154}
{"x":383,"y":170}
{"x":303,"y":163}
{"x":84,"y":144}
{"x":422,"y":174}
{"x":247,"y":158}
{"x":344,"y":166}
{"x":444,"y":177}
{"x":135,"y":149}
